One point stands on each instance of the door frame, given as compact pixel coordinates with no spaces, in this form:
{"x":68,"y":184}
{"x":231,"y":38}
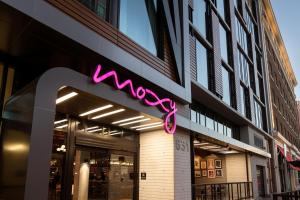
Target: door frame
{"x":72,"y":145}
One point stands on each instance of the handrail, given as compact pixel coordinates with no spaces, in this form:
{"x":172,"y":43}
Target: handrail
{"x":293,"y":195}
{"x":226,"y":191}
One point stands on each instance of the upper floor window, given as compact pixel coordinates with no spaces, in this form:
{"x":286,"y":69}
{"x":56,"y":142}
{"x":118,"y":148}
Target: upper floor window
{"x":97,"y":6}
{"x":199,"y":16}
{"x":221,"y":7}
{"x":241,"y":35}
{"x":243,"y":101}
{"x":202,"y":65}
{"x":137,"y":19}
{"x":209,"y":119}
{"x":223,"y":43}
{"x":258,"y":120}
{"x":244,"y":68}
{"x":226,"y":86}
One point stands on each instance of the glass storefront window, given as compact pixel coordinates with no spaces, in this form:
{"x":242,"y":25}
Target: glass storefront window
{"x":199,"y":16}
{"x":226,"y":86}
{"x":223,"y":43}
{"x":202,"y":65}
{"x":137,"y":20}
{"x":97,"y":6}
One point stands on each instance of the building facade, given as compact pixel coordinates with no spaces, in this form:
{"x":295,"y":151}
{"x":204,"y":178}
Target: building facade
{"x":283,"y":106}
{"x":137,"y":100}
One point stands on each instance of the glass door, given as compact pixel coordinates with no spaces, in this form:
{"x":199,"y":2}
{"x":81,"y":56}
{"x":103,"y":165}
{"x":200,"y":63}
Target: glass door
{"x":260,"y":180}
{"x":102,"y":174}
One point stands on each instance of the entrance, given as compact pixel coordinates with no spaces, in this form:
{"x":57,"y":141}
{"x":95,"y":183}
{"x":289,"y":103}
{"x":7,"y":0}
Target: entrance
{"x":101,"y":174}
{"x":89,"y":166}
{"x":260,"y":180}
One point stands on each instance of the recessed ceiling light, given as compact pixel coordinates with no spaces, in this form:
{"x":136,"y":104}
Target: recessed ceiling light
{"x":60,"y":121}
{"x":112,"y":132}
{"x":117,"y":133}
{"x":62,"y":126}
{"x":96,"y":110}
{"x":128,"y":119}
{"x":109,"y":113}
{"x":93,"y":127}
{"x":66,"y":97}
{"x":133,"y":122}
{"x":148,"y":127}
{"x":95,"y":130}
{"x":140,"y":126}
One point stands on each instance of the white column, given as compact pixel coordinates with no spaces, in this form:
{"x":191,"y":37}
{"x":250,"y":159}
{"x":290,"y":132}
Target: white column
{"x":167,"y":167}
{"x":84,"y":181}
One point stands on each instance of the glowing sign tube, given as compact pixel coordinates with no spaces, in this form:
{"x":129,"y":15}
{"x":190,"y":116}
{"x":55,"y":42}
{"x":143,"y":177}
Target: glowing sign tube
{"x":143,"y":94}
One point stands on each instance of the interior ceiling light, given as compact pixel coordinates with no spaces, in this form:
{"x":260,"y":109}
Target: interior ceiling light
{"x":62,"y":126}
{"x":66,"y":97}
{"x":149,"y":127}
{"x":109,"y":113}
{"x":117,"y":133}
{"x":134,"y":122}
{"x":95,"y":130}
{"x":93,"y":127}
{"x":144,"y":125}
{"x":96,"y":110}
{"x":128,"y":119}
{"x":60,"y":121}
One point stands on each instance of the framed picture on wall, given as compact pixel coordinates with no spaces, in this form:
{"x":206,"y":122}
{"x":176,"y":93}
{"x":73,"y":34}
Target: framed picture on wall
{"x":203,"y":164}
{"x":197,"y":162}
{"x":204,"y":173}
{"x":210,"y":164}
{"x":197,"y":173}
{"x":218,"y":164}
{"x":219,"y":172}
{"x":211,"y":173}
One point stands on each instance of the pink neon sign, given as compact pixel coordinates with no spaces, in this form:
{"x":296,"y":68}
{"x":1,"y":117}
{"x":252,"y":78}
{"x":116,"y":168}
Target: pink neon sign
{"x":145,"y":95}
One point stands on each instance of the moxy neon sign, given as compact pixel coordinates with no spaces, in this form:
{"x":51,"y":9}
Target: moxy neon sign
{"x":143,"y":94}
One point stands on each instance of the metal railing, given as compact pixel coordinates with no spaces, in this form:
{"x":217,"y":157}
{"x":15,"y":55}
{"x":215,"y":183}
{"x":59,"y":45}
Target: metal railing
{"x":223,"y":191}
{"x":295,"y":195}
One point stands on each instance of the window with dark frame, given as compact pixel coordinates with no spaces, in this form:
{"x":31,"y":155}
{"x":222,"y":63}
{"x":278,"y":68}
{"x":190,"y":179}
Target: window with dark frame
{"x":211,"y":120}
{"x":202,"y":64}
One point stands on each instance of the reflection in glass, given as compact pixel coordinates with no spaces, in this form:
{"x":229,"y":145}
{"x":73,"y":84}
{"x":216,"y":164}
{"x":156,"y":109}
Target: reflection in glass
{"x":226,"y":86}
{"x":223,"y":43}
{"x":241,"y":35}
{"x":202,"y":71}
{"x":244,"y":68}
{"x":221,"y":8}
{"x":138,"y":21}
{"x":210,"y":123}
{"x":243,"y":99}
{"x":97,"y":6}
{"x":199,"y":16}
